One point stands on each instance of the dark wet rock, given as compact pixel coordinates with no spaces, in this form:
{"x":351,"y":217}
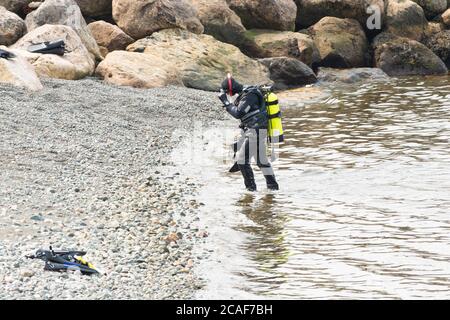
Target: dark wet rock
{"x":399,"y":56}
{"x":311,"y":11}
{"x":266,"y":14}
{"x":95,"y":8}
{"x":439,"y":43}
{"x":288,"y":72}
{"x":14,"y":5}
{"x":341,"y":43}
{"x":432,"y":8}
{"x":352,"y":75}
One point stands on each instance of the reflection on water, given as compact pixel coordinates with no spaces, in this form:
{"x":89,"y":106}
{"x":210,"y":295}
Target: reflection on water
{"x":364,"y":210}
{"x":267,"y":230}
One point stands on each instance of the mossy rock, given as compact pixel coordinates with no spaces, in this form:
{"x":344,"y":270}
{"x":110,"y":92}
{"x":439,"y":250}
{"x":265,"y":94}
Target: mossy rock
{"x":399,"y":56}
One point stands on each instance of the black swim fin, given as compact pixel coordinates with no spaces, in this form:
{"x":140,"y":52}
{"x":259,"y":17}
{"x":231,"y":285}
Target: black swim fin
{"x":6,"y":55}
{"x":57,"y":47}
{"x":61,"y":267}
{"x":235,"y":168}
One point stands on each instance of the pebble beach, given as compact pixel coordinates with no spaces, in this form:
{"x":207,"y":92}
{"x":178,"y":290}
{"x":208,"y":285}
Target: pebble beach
{"x":85,"y":166}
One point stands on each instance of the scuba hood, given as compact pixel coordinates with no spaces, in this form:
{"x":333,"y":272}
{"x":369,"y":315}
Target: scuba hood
{"x":231,"y":86}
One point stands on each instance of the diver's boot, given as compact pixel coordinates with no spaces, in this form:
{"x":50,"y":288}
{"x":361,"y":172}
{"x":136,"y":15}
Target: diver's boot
{"x":272,"y":183}
{"x":249,"y":177}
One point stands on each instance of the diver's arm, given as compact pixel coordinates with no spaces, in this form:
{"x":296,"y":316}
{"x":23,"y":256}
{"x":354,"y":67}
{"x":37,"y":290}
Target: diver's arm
{"x":244,"y":106}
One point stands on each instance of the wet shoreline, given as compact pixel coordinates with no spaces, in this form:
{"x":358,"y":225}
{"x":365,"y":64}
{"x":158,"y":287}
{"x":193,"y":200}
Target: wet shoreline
{"x":363,"y":207}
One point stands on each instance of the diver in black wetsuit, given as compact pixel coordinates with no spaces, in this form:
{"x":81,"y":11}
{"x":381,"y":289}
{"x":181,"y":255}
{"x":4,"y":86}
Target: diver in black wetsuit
{"x":250,"y":108}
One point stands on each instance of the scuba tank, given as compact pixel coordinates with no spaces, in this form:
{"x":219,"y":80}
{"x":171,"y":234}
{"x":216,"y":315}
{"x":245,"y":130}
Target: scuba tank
{"x":275,"y":125}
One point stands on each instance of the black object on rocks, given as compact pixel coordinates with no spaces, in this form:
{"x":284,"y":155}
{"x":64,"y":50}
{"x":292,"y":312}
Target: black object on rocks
{"x":57,"y":47}
{"x":6,"y":55}
{"x":64,"y":261}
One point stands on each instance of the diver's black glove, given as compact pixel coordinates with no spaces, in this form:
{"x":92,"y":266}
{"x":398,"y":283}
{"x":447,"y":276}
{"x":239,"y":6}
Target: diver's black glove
{"x":223,"y":97}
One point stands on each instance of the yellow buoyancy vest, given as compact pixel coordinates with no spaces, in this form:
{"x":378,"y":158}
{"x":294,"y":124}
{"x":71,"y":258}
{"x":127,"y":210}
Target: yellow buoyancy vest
{"x":276,"y":133}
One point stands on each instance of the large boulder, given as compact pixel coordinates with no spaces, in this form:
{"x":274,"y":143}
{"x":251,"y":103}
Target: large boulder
{"x":266,"y":14}
{"x":399,"y":56}
{"x":285,"y":44}
{"x":76,"y":63}
{"x":109,"y":36}
{"x":446,"y":18}
{"x":141,"y":18}
{"x":137,"y":70}
{"x":12,"y":27}
{"x":16,"y":6}
{"x":201,"y":61}
{"x":63,"y":12}
{"x":288,"y":73}
{"x":405,"y":18}
{"x":18,"y":72}
{"x":352,"y":75}
{"x":225,"y":25}
{"x":220,"y":21}
{"x":432,"y":8}
{"x":342,"y":43}
{"x":311,"y":11}
{"x":95,"y":8}
{"x":439,"y":43}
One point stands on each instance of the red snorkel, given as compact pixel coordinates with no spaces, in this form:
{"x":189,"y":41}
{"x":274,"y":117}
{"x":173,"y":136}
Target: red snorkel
{"x":230,"y":85}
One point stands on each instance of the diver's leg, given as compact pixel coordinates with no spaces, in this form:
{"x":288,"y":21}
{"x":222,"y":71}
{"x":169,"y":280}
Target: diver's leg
{"x":263,"y":161}
{"x":245,"y":167}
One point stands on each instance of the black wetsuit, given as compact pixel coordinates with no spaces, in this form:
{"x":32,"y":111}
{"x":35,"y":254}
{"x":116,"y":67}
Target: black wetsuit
{"x":250,"y":109}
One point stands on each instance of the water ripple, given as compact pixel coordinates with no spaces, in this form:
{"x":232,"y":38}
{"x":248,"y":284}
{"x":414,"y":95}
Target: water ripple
{"x":364,"y":207}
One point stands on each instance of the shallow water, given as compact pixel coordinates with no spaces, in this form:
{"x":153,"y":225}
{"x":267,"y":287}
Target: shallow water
{"x":364,"y":210}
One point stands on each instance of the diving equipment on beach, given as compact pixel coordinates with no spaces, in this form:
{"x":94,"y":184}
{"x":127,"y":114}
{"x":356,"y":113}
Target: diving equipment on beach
{"x":6,"y":55}
{"x":57,"y":47}
{"x":65,"y":261}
